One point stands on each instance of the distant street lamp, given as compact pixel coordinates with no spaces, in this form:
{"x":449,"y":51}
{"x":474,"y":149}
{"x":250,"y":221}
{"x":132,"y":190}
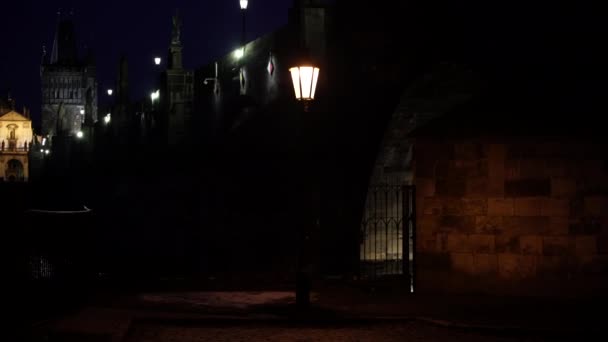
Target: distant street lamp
{"x":244,"y":4}
{"x":110,"y":92}
{"x":154,"y":96}
{"x":107,"y":118}
{"x":239,"y":53}
{"x":82,"y":112}
{"x":79,"y":135}
{"x":305,"y":78}
{"x":157,"y":60}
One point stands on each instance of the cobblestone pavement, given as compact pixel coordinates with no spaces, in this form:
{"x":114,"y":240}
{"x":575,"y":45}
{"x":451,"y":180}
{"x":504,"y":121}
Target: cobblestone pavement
{"x":379,"y":332}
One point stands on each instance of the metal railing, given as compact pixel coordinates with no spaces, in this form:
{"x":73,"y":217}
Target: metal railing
{"x":387,"y":232}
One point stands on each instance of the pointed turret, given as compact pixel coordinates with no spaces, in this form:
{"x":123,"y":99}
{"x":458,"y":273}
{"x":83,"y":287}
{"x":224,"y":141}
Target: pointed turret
{"x":64,"y":45}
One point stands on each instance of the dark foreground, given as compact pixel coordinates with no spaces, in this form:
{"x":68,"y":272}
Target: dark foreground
{"x":398,"y":331}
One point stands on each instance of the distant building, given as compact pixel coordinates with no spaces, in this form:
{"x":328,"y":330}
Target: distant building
{"x":16,"y":137}
{"x":69,"y":86}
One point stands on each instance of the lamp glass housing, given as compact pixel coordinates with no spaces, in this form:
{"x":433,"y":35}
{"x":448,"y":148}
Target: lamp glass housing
{"x":305,"y":79}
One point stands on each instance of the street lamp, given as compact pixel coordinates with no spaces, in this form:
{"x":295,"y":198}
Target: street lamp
{"x":110,"y":92}
{"x":154,"y":96}
{"x":244,"y":4}
{"x":239,"y":53}
{"x":79,"y":135}
{"x":157,"y":60}
{"x":305,"y":78}
{"x":107,"y":118}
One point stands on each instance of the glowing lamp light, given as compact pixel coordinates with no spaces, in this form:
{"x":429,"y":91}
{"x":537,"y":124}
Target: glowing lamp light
{"x":244,"y":4}
{"x":305,"y":80}
{"x":239,"y":53}
{"x":82,"y":112}
{"x":157,"y":60}
{"x":154,"y":96}
{"x":108,"y":118}
{"x":47,"y":151}
{"x":79,"y":135}
{"x":110,"y":92}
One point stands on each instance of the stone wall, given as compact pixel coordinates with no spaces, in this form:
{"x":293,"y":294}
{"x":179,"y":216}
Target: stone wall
{"x":514,"y":216}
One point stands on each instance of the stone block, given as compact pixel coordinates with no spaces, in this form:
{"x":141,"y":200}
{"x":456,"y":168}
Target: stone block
{"x":585,"y":226}
{"x":554,"y":265}
{"x":512,"y":169}
{"x":454,"y":187}
{"x":556,"y":246}
{"x":514,"y":266}
{"x":461,"y":169}
{"x":556,"y":168}
{"x":426,"y":243}
{"x":507,"y":244}
{"x":586,"y":245}
{"x":555,"y":207}
{"x":468,"y":151}
{"x":458,"y":243}
{"x":528,"y":206}
{"x":558,"y":226}
{"x":489,"y":224}
{"x":531,"y":245}
{"x":593,"y":265}
{"x":596,"y":206}
{"x":457,"y":224}
{"x":496,"y":170}
{"x":519,"y":225}
{"x":425,"y":187}
{"x":427,"y":224}
{"x":500,"y":207}
{"x":433,"y":261}
{"x":563,"y":187}
{"x":462,"y":262}
{"x":482,"y":243}
{"x":485,"y":263}
{"x":442,"y":242}
{"x":476,"y":187}
{"x":465,"y":207}
{"x":532,"y":168}
{"x":528,"y":187}
{"x":432,"y":206}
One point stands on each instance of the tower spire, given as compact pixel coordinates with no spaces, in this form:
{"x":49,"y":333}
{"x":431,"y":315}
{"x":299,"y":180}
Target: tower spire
{"x":175,"y":50}
{"x":55,"y":50}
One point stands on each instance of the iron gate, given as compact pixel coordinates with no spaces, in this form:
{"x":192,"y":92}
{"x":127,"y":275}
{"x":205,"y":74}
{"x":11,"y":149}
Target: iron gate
{"x":388,"y":232}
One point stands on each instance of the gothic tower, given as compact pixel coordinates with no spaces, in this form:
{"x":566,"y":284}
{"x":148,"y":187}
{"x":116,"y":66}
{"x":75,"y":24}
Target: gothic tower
{"x":178,"y":90}
{"x":69,"y":85}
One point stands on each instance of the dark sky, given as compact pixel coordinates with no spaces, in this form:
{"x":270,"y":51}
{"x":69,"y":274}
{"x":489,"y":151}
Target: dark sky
{"x":140,"y":29}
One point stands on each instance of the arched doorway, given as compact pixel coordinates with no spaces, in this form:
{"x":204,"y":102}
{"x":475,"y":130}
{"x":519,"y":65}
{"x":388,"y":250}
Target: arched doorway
{"x":14,"y":171}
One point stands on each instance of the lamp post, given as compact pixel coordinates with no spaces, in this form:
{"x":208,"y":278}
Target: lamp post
{"x":244,"y":4}
{"x":305,"y":78}
{"x":157,"y":60}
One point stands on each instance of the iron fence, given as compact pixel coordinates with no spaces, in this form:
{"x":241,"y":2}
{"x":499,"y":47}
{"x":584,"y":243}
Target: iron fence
{"x":388,"y":232}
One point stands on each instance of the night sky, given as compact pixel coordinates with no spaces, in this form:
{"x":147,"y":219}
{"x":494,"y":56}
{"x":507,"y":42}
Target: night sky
{"x":141,"y":30}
